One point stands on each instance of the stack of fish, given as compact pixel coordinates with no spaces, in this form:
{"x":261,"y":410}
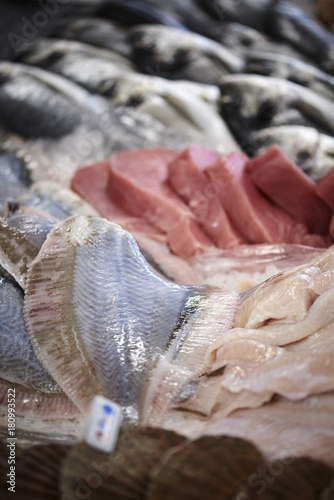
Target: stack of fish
{"x":163,"y":319}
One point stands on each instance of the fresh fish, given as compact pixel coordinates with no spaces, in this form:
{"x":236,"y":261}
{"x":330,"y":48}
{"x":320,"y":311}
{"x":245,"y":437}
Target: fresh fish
{"x":171,"y":53}
{"x":97,"y":32}
{"x":132,"y":89}
{"x":56,"y":201}
{"x":252,"y":102}
{"x":246,"y":266}
{"x":163,"y":100}
{"x":21,"y":238}
{"x":93,"y":68}
{"x":15,"y":179}
{"x":273,"y":370}
{"x":187,"y":13}
{"x":178,"y":105}
{"x":38,"y":397}
{"x":290,"y":23}
{"x":18,"y":360}
{"x":289,"y":68}
{"x":312,"y":151}
{"x":131,"y":12}
{"x":102,"y":346}
{"x":252,"y":13}
{"x":67,"y":124}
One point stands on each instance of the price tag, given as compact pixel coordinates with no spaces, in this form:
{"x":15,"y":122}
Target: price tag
{"x":102,"y":424}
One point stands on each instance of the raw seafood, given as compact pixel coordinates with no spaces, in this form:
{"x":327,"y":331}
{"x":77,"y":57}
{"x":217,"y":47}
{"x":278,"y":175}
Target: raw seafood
{"x":252,"y":214}
{"x":252,"y":102}
{"x":165,"y":51}
{"x":289,"y":188}
{"x":186,"y":175}
{"x":21,"y":238}
{"x":117,"y":323}
{"x":274,"y":368}
{"x":138,"y":183}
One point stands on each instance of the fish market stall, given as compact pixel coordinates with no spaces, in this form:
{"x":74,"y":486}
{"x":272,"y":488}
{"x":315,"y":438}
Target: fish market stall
{"x":166,"y":249}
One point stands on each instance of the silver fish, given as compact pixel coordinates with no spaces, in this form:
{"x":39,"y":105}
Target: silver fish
{"x":97,"y":32}
{"x":15,"y":179}
{"x":252,"y":102}
{"x":251,"y":13}
{"x":291,"y":23}
{"x":84,"y":128}
{"x":178,"y":105}
{"x":290,"y":68}
{"x":176,"y":54}
{"x":38,"y":398}
{"x":93,"y":68}
{"x":21,"y":238}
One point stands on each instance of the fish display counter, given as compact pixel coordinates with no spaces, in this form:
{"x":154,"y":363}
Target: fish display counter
{"x":166,"y":250}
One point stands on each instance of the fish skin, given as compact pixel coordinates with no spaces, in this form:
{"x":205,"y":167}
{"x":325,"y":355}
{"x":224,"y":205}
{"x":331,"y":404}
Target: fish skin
{"x":100,"y":74}
{"x":18,"y":362}
{"x":251,"y":13}
{"x":252,"y":102}
{"x":98,"y":128}
{"x":134,"y":88}
{"x":21,"y":238}
{"x":185,"y":364}
{"x":98,"y":32}
{"x":15,"y":179}
{"x":93,"y":68}
{"x":117,"y":360}
{"x":20,"y":99}
{"x":180,"y":105}
{"x":39,"y":402}
{"x":174,"y":54}
{"x":311,"y":150}
{"x":288,"y":22}
{"x":281,"y":66}
{"x":132,"y":12}
{"x":244,"y":40}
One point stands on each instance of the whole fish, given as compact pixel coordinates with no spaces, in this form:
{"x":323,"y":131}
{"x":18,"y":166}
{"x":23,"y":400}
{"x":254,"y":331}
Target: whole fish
{"x":105,"y":330}
{"x":95,"y":31}
{"x":251,"y":102}
{"x":131,"y":12}
{"x":67,"y":124}
{"x":290,"y":23}
{"x":91,"y":67}
{"x":289,"y":68}
{"x":174,"y":54}
{"x":15,"y":179}
{"x":180,"y":105}
{"x":253,"y":13}
{"x":108,"y":75}
{"x":312,"y":151}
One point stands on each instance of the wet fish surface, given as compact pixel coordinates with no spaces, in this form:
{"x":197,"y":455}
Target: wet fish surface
{"x":160,"y":50}
{"x":291,"y":23}
{"x":282,"y":66}
{"x":251,"y":102}
{"x":125,"y":347}
{"x":93,"y":68}
{"x":83,"y":128}
{"x":21,"y":238}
